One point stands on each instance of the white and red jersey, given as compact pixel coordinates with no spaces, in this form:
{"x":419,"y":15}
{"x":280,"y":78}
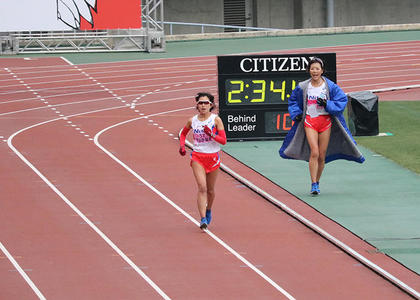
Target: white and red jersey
{"x":312,"y":108}
{"x":202,"y":142}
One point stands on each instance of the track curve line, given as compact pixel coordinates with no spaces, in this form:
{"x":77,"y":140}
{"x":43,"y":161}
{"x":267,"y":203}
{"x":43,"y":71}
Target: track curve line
{"x":77,"y":211}
{"x":183,"y":212}
{"x":22,"y":272}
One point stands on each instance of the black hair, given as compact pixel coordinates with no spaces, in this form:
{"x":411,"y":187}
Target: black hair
{"x":204,"y":94}
{"x":315,"y":60}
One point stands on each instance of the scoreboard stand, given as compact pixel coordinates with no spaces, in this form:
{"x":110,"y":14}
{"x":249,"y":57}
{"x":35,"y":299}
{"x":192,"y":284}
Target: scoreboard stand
{"x":254,"y":92}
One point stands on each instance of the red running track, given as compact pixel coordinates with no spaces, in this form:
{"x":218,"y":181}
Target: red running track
{"x":97,"y":203}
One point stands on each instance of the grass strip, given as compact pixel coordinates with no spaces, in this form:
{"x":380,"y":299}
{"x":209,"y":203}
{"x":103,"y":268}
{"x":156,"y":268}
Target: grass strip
{"x":402,"y":119}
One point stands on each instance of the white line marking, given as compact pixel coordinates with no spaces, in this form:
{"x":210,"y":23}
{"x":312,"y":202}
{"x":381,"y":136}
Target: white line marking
{"x":226,"y":246}
{"x":395,"y":88}
{"x":22,"y":273}
{"x":81,"y":215}
{"x":386,"y":88}
{"x":89,"y":101}
{"x":67,"y":61}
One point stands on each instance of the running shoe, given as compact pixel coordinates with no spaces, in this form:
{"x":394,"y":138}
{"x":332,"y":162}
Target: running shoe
{"x":203,"y":223}
{"x":208,"y":216}
{"x":314,"y":189}
{"x":318,"y":189}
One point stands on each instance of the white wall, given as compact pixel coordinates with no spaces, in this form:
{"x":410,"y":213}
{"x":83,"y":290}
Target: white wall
{"x":30,"y":15}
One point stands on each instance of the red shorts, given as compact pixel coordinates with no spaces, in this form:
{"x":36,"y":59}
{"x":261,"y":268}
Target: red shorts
{"x":319,"y":124}
{"x":209,"y":161}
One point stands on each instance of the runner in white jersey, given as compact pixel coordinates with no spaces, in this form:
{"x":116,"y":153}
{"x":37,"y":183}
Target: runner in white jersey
{"x":314,"y":92}
{"x":208,"y":133}
{"x":317,"y":122}
{"x":204,"y":143}
{"x":317,"y":118}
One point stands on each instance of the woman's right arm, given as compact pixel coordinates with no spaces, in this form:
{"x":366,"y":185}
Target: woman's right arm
{"x":183,"y":136}
{"x":294,"y":108}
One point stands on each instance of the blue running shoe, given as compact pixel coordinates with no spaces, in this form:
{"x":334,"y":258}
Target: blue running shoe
{"x":314,"y":189}
{"x":203,"y":223}
{"x":208,"y":216}
{"x":318,"y":190}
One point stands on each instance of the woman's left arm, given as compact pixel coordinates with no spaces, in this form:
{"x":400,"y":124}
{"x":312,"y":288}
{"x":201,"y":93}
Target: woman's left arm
{"x":337,"y":102}
{"x":219,"y":124}
{"x":218,"y":134}
{"x":221,"y":134}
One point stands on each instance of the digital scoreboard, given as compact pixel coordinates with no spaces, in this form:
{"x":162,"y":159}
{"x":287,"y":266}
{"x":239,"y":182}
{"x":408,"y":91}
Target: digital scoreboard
{"x":254,"y":92}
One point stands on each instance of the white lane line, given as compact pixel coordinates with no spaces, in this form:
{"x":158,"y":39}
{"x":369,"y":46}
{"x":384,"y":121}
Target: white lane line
{"x":395,"y":88}
{"x":167,"y":62}
{"x":21,"y":272}
{"x":88,"y":101}
{"x":67,"y":61}
{"x":141,"y":80}
{"x":384,"y":85}
{"x":78,"y":212}
{"x":128,"y":69}
{"x":188,"y":216}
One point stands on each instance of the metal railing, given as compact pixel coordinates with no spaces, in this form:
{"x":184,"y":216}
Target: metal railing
{"x":150,"y":38}
{"x":79,"y":41}
{"x":203,"y":26}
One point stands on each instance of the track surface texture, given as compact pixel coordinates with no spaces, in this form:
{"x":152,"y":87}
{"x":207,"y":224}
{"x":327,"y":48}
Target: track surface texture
{"x":98,"y":204}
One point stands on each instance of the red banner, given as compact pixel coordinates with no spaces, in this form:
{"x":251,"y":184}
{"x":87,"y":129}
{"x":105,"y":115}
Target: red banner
{"x":114,"y":14}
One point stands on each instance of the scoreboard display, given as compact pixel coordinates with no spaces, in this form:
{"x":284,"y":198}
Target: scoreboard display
{"x":254,"y":92}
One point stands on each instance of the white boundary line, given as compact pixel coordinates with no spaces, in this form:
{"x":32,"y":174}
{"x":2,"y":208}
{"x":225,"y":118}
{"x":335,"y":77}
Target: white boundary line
{"x":396,"y":88}
{"x":22,"y":273}
{"x":49,"y":82}
{"x":320,"y":231}
{"x":78,"y":212}
{"x":198,"y":58}
{"x":154,"y":60}
{"x":67,"y":61}
{"x":217,"y":239}
{"x":122,"y":69}
{"x":89,"y":101}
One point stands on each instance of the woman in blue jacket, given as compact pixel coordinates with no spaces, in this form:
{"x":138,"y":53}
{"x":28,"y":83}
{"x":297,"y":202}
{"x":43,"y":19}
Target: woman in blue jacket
{"x":319,"y":133}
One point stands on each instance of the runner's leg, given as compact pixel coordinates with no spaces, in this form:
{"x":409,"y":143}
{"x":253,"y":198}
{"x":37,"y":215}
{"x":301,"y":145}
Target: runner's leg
{"x":312,"y":137}
{"x":323,"y":140}
{"x":211,"y":183}
{"x":200,"y":178}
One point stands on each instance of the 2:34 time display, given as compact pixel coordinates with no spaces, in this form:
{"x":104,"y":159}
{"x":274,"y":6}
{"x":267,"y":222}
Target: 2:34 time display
{"x":258,"y":91}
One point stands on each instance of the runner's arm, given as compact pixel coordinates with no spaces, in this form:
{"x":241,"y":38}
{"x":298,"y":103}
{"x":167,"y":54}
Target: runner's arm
{"x":220,"y":137}
{"x":182,"y":138}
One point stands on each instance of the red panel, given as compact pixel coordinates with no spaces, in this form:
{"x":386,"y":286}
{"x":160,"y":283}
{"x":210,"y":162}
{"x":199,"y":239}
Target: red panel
{"x":113,"y":14}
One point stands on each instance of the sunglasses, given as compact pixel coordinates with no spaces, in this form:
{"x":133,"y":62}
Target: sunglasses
{"x":203,"y":102}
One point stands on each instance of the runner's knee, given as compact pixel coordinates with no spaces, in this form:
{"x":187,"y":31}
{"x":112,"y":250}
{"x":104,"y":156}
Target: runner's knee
{"x":202,"y":189}
{"x":210,"y":192}
{"x":315,"y":153}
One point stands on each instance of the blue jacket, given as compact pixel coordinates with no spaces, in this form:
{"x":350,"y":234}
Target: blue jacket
{"x":341,"y":144}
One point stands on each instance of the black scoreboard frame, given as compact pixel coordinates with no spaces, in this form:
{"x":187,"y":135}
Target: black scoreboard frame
{"x":253,"y":92}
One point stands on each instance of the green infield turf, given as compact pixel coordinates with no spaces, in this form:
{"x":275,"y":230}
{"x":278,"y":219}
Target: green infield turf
{"x":402,"y":120}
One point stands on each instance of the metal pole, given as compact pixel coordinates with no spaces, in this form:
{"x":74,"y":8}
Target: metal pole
{"x":162,"y":17}
{"x":330,"y":13}
{"x":147,"y":26}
